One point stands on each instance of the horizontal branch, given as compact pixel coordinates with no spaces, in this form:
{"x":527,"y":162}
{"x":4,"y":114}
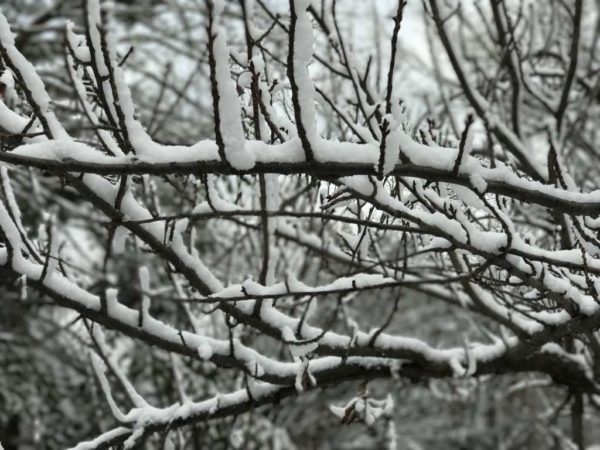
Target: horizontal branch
{"x":499,"y":181}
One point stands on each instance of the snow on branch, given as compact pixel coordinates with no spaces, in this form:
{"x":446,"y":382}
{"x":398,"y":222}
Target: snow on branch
{"x":210,"y":237}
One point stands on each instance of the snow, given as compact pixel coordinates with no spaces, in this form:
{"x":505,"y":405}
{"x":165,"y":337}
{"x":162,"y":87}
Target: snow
{"x":365,"y":408}
{"x":77,"y":44}
{"x":304,"y":372}
{"x":215,"y":200}
{"x":297,"y":348}
{"x":457,"y":221}
{"x":53,"y":257}
{"x":11,"y":121}
{"x":119,"y":240}
{"x":478,"y":182}
{"x":144,"y":276}
{"x":392,"y":149}
{"x":237,"y":153}
{"x":303,"y":51}
{"x":34,"y":84}
{"x":7,"y":79}
{"x":100,"y":370}
{"x":205,"y":351}
{"x":12,"y":236}
{"x":10,"y":196}
{"x":94,"y":21}
{"x":293,"y":286}
{"x":77,"y":79}
{"x":112,"y":304}
{"x":245,"y":79}
{"x":61,"y":150}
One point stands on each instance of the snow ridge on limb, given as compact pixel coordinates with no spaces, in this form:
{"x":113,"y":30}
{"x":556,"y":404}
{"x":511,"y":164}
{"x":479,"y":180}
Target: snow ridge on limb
{"x":229,"y":133}
{"x":25,"y":73}
{"x":300,"y":49}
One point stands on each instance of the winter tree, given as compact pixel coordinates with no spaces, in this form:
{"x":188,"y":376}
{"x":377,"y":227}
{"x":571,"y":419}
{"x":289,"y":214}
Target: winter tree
{"x":299,"y":224}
